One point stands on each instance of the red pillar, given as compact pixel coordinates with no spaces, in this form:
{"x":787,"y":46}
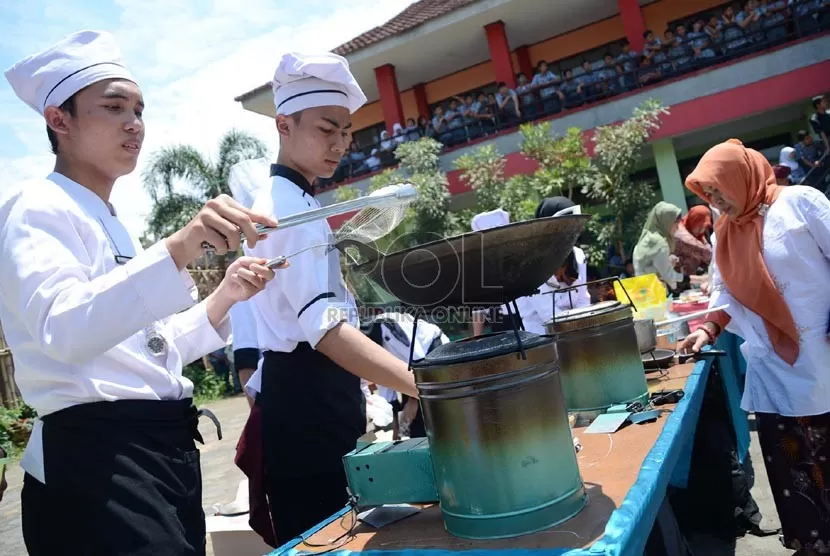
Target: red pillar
{"x":523,"y":57}
{"x":500,"y":53}
{"x":420,"y":92}
{"x":390,"y":98}
{"x":633,"y":23}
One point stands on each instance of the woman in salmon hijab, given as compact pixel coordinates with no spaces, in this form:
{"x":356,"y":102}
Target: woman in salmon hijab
{"x":691,"y":240}
{"x":771,"y":267}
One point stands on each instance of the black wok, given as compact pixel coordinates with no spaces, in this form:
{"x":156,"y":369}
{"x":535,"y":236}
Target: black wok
{"x":490,"y":267}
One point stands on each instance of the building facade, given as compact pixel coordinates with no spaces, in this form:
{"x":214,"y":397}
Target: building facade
{"x":743,"y":69}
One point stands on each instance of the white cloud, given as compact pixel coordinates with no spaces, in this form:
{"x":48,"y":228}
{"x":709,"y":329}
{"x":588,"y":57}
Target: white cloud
{"x":192,"y":57}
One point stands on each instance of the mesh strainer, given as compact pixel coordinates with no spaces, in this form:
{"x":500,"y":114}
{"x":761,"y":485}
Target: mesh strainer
{"x":374,"y":221}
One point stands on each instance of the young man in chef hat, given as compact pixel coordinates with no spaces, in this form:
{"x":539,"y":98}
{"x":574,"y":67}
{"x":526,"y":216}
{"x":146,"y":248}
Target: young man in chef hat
{"x":313,"y":410}
{"x":100,"y":328}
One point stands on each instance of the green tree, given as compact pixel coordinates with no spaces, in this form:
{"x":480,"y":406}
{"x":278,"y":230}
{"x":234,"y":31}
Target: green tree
{"x":205,"y":178}
{"x":565,"y":168}
{"x":618,"y":149}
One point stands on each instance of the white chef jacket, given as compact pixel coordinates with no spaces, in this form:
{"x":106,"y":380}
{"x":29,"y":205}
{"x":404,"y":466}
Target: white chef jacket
{"x":309,"y":298}
{"x":76,"y":295}
{"x":537,"y":310}
{"x":796,"y":244}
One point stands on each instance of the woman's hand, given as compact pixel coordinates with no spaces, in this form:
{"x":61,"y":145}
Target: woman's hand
{"x":706,"y":288}
{"x":694,"y":342}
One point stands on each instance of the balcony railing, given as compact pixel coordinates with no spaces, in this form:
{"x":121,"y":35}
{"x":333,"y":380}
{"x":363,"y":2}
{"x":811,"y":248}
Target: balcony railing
{"x":598,"y":85}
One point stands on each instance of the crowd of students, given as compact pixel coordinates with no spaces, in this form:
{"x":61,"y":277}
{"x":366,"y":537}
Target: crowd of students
{"x":681,"y":48}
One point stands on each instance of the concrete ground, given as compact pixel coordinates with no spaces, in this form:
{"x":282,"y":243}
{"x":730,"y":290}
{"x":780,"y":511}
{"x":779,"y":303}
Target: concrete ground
{"x":221,"y":477}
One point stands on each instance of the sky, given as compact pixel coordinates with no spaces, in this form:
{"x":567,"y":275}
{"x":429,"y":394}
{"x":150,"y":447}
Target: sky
{"x":191,"y":58}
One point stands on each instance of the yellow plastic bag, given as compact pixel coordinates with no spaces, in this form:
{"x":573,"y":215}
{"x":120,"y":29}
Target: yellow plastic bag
{"x":647,"y":293}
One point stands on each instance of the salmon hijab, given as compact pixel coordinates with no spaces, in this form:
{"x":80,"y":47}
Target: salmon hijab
{"x":745,"y":176}
{"x":699,"y":217}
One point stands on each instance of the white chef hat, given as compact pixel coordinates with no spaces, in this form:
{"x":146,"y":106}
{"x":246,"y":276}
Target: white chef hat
{"x":50,"y":77}
{"x":490,"y":219}
{"x":247,"y":178}
{"x":310,"y":80}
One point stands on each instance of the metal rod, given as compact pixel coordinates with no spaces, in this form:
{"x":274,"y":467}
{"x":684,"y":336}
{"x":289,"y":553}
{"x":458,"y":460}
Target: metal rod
{"x":414,"y":336}
{"x":516,"y":332}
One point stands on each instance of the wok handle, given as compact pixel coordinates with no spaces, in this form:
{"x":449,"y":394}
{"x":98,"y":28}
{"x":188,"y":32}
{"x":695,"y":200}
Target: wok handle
{"x":709,"y":354}
{"x":367,"y":252}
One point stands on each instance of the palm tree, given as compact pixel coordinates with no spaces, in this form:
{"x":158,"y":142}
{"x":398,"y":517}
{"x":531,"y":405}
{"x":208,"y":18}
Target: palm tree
{"x":207,"y":178}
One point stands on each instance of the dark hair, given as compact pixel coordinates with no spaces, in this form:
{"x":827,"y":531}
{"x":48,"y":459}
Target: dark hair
{"x":520,"y":74}
{"x":570,"y":267}
{"x":501,"y":84}
{"x":68,"y":106}
{"x":539,"y":64}
{"x":817,"y":100}
{"x":801,"y":135}
{"x":410,"y":120}
{"x":647,"y":32}
{"x":607,"y":54}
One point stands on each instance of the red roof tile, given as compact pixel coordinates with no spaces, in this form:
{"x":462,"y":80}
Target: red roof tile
{"x":413,"y":16}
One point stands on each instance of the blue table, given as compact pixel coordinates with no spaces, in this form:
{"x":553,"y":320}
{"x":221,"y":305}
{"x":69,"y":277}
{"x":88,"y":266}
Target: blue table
{"x":629,"y":525}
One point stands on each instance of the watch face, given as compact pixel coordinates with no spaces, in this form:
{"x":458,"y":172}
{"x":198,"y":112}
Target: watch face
{"x":157,"y":345}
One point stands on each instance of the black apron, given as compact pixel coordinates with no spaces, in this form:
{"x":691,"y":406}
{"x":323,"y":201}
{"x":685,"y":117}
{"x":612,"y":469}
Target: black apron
{"x":122,"y":478}
{"x":313,"y":412}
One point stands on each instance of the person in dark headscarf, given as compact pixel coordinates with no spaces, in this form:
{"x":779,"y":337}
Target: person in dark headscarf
{"x":552,"y":206}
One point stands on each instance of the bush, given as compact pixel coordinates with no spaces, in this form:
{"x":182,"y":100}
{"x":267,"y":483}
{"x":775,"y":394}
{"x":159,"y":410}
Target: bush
{"x":16,"y":427}
{"x":206,"y":385}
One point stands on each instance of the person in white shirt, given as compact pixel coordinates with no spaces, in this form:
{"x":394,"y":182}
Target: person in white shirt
{"x":100,"y":328}
{"x":396,"y":332}
{"x":537,"y":310}
{"x":307,"y":326}
{"x":772,"y":267}
{"x":246,"y":179}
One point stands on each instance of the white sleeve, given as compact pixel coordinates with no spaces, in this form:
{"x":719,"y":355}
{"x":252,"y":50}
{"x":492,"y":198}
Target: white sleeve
{"x":583,"y":296}
{"x":313,"y":284}
{"x":244,"y":326}
{"x":193,"y":334}
{"x":45,"y":276}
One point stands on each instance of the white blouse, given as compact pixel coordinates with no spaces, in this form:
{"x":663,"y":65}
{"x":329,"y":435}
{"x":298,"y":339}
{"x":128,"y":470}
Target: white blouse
{"x":796,"y":239}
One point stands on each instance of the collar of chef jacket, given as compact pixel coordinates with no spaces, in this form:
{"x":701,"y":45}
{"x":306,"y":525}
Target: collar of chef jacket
{"x":122,"y":245}
{"x":293,"y":176}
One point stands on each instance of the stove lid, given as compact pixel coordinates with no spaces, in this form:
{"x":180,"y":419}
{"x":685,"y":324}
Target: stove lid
{"x":480,"y":347}
{"x":598,"y":314}
{"x":589,"y":311}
